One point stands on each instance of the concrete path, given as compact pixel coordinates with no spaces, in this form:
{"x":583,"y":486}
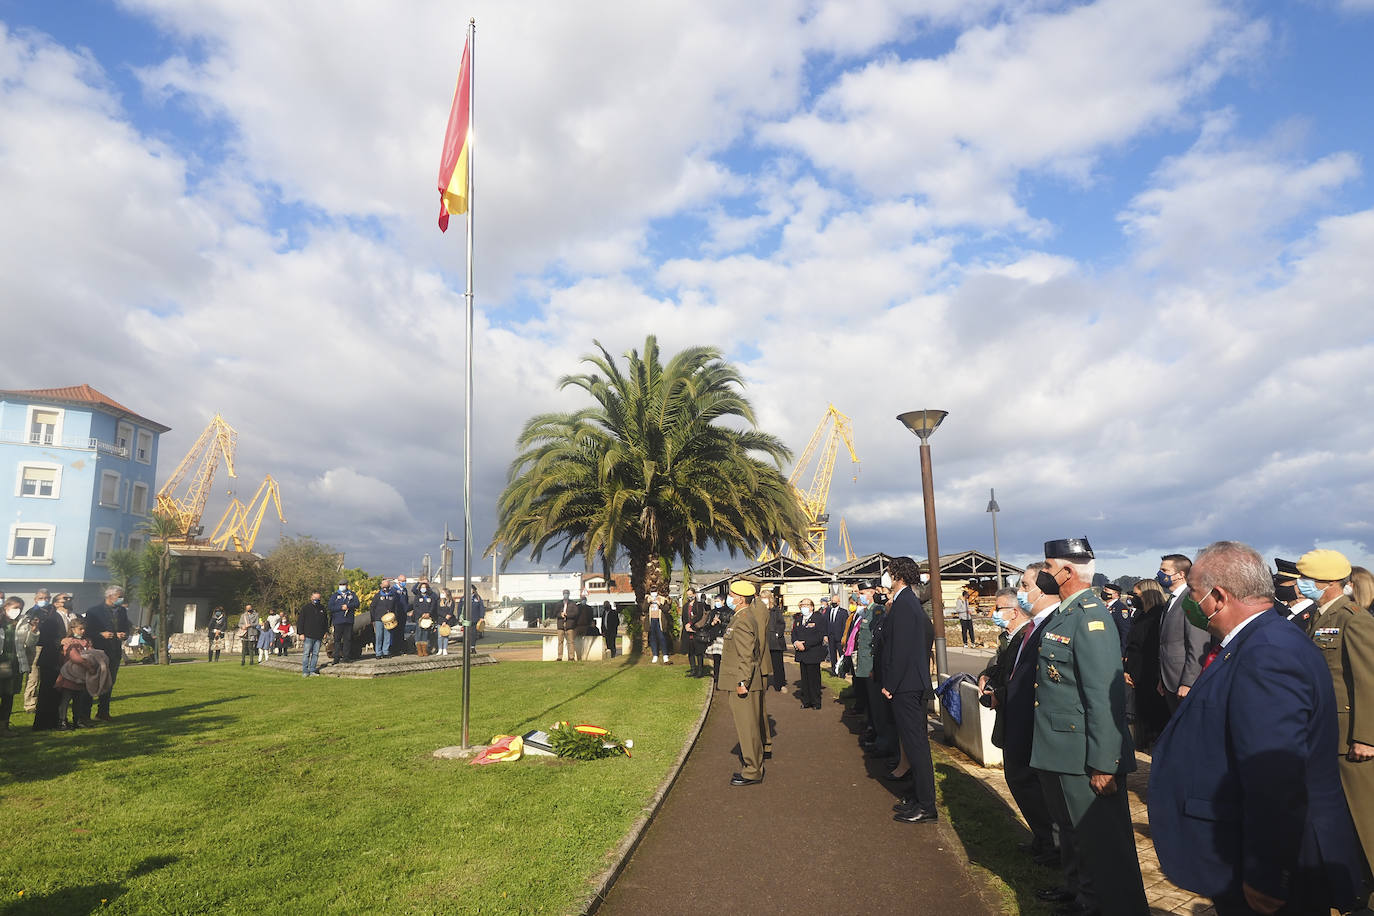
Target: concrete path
{"x":817,"y":836}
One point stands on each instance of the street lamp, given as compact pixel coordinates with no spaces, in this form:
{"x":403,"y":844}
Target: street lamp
{"x":996,"y":551}
{"x":924,"y":423}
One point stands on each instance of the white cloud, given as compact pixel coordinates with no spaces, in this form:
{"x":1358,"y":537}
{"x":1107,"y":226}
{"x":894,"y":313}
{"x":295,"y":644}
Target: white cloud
{"x":1038,"y":91}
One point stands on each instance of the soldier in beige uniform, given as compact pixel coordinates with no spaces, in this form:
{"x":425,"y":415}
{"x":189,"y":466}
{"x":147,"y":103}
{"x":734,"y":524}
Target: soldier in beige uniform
{"x":744,"y":669}
{"x":1345,"y":634}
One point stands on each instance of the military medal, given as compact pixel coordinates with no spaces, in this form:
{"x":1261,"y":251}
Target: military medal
{"x":1053,"y":673}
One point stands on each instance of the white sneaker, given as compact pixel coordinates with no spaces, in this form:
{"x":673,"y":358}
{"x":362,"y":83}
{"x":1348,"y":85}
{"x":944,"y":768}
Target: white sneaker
{"x":653,"y":660}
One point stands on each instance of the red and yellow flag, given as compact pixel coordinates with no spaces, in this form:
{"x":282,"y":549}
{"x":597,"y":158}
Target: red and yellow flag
{"x":453,"y":166}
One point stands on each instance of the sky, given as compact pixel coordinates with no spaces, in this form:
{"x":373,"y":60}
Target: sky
{"x":1125,"y":243}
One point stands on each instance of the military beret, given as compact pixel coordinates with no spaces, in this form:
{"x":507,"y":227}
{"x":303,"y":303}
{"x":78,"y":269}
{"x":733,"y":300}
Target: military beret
{"x":1068,"y":549}
{"x":743,"y":588}
{"x":1287,"y":569}
{"x":1324,"y":565}
{"x":864,"y":583}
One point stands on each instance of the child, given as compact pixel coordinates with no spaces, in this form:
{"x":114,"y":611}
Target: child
{"x":85,"y":673}
{"x":424,"y":633}
{"x":284,"y":631}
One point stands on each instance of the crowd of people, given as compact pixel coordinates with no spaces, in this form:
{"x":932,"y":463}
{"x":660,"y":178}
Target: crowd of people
{"x":62,"y":664}
{"x":1252,"y":687}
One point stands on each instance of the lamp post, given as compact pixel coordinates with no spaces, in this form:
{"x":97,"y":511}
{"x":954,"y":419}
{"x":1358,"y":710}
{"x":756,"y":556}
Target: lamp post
{"x":924,"y":423}
{"x":996,"y":551}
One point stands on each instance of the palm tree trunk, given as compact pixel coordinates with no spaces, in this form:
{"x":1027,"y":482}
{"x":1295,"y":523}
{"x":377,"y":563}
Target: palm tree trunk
{"x":634,"y":630}
{"x":164,"y":599}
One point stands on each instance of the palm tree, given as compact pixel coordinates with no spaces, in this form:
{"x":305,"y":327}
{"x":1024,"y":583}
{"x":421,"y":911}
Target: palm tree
{"x":161,"y":529}
{"x":654,"y":471}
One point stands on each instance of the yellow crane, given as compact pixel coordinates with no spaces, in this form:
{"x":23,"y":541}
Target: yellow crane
{"x":844,"y":542}
{"x":240,"y":524}
{"x":822,"y":449}
{"x":183,"y":501}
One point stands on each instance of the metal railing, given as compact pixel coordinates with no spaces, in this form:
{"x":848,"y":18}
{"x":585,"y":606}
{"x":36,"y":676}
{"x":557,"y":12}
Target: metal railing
{"x":83,"y":444}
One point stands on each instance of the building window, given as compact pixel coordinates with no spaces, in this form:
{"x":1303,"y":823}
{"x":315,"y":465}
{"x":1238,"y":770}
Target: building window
{"x":145,"y":447}
{"x":45,"y":426}
{"x":39,"y":480}
{"x":104,"y":543}
{"x":136,"y":543}
{"x":124,"y":437}
{"x":139,"y":504}
{"x":31,"y":543}
{"x":109,"y":489}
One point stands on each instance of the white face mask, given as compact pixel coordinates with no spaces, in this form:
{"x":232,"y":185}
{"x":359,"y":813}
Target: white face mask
{"x":342,"y":587}
{"x":653,"y":596}
{"x":806,"y":610}
{"x":12,"y":613}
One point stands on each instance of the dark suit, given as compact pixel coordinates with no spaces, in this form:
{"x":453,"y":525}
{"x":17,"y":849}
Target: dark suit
{"x":51,"y":629}
{"x":1182,"y":647}
{"x":1013,"y":732}
{"x":810,"y":633}
{"x":610,"y":627}
{"x":908,"y":637}
{"x":106,"y":619}
{"x":1244,"y":785}
{"x":835,"y":619}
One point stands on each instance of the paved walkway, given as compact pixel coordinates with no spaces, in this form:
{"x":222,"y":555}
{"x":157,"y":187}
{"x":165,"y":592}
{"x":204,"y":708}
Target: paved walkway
{"x":792,"y":844}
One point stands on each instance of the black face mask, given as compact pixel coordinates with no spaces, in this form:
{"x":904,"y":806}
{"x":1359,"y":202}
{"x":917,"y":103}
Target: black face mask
{"x":1286,"y":593}
{"x":1046,"y":583}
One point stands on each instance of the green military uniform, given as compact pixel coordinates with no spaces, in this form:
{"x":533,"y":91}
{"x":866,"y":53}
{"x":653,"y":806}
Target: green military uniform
{"x":1080,"y":726}
{"x":745,"y":660}
{"x":1345,"y":634}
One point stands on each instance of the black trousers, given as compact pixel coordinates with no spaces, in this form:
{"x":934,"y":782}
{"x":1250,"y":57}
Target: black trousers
{"x":343,"y":642}
{"x":779,"y":678}
{"x":966,"y":631}
{"x":880,"y":714}
{"x":45,"y":716}
{"x":696,"y":652}
{"x":810,"y":683}
{"x":909,"y":710}
{"x":6,"y":707}
{"x":102,"y":702}
{"x":1025,"y":787}
{"x":860,"y":694}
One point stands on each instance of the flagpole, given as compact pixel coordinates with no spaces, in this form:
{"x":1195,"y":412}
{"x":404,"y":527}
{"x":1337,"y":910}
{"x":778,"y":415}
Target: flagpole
{"x":470,"y":624}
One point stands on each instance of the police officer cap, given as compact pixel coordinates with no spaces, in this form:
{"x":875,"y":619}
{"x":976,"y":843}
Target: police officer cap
{"x":1324,"y":565}
{"x":1068,"y":549}
{"x":865,"y":583}
{"x":743,"y":588}
{"x":1287,"y":569}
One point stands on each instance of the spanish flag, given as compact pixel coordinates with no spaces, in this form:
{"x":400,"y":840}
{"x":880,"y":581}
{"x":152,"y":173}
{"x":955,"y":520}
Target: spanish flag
{"x":453,"y":166}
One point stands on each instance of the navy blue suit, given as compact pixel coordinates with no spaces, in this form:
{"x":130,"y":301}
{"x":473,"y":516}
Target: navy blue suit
{"x":809,"y":658}
{"x":908,"y":637}
{"x":1244,"y":785}
{"x":1014,"y":732}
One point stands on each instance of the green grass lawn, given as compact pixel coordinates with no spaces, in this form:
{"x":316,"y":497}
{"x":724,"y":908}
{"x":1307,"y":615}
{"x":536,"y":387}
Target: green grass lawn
{"x":225,"y":789}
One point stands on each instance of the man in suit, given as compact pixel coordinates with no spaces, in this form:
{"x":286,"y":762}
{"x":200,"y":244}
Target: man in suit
{"x":1181,"y":647}
{"x":836,"y":616}
{"x":1120,"y":611}
{"x":567,"y":627}
{"x":107,"y":626}
{"x":744,"y":669}
{"x":1081,"y":742}
{"x":1245,"y":806}
{"x":808,"y":638}
{"x":1011,"y":691}
{"x":908,"y":637}
{"x":1344,"y":632}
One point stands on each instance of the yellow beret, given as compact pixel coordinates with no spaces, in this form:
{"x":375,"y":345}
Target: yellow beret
{"x":743,"y":588}
{"x":1324,"y":565}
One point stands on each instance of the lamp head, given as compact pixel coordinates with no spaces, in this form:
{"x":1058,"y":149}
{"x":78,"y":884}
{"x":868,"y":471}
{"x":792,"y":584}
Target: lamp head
{"x":923,"y":422}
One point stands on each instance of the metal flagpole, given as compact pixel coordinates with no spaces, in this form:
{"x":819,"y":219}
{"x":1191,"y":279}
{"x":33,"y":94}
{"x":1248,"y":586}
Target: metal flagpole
{"x":469,"y":624}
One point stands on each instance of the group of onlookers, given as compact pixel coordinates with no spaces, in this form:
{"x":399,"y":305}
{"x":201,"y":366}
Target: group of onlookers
{"x":416,"y":620}
{"x":63,"y":664}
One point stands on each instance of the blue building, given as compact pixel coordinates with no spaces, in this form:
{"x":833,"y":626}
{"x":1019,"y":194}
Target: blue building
{"x":84,"y":470}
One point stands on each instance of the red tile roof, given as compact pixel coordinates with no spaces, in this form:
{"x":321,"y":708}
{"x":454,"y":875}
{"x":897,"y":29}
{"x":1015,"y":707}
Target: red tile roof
{"x":83,"y":395}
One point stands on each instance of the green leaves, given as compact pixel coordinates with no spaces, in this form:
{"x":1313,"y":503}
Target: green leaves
{"x":665,"y":462}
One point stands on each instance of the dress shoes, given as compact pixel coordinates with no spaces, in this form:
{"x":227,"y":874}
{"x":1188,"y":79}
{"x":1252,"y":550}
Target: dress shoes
{"x":916,"y":817}
{"x":1054,"y":894}
{"x":898,"y":780}
{"x":738,"y":780}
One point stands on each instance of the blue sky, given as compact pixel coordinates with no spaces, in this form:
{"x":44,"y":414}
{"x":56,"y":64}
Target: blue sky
{"x":1123,"y":242}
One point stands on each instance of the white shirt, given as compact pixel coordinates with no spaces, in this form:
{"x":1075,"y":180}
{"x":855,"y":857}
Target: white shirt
{"x":1039,"y":621}
{"x":1298,"y":608}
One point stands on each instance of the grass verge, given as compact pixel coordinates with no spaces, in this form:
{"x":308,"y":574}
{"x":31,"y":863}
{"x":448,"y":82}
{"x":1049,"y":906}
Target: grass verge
{"x":232,"y":790}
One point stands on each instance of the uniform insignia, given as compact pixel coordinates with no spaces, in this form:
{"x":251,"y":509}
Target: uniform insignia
{"x":1327,"y":631}
{"x":1053,"y":673}
{"x":1096,"y":625}
{"x":1055,"y":637}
